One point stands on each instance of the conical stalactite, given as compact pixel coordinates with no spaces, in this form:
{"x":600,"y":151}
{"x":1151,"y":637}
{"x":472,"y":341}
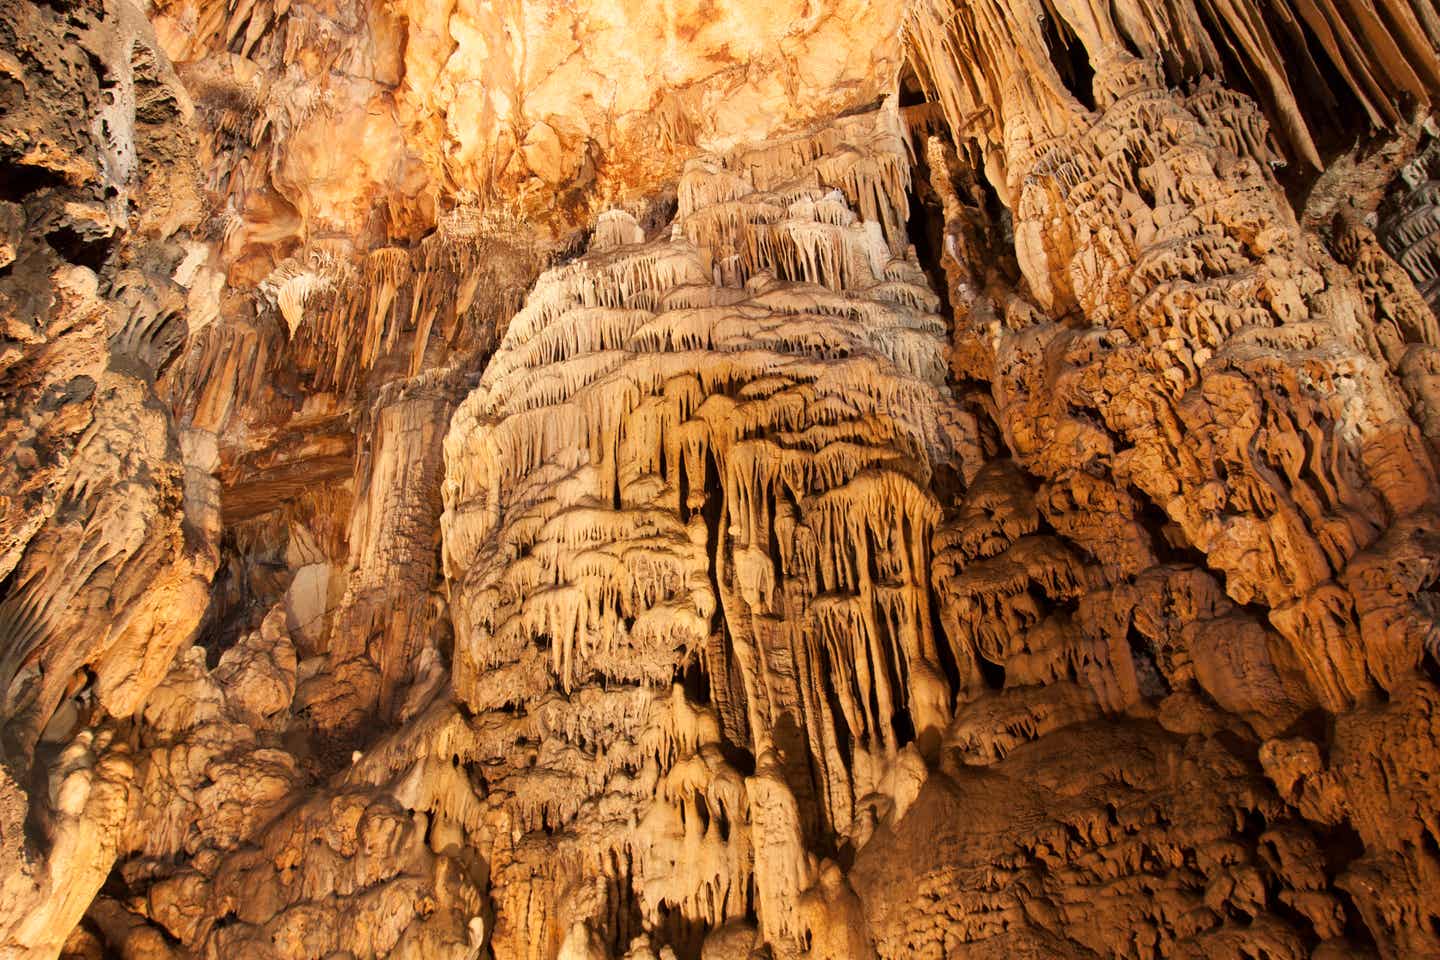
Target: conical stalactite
{"x":1385,"y":62}
{"x":409,"y":307}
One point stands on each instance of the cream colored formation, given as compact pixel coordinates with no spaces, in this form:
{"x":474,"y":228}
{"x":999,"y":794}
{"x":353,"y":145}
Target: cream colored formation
{"x":609,"y":482}
{"x":670,"y":436}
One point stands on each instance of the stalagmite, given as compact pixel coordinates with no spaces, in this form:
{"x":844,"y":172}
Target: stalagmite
{"x":582,"y":471}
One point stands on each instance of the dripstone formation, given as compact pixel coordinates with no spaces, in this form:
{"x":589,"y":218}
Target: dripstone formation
{"x":720,"y":480}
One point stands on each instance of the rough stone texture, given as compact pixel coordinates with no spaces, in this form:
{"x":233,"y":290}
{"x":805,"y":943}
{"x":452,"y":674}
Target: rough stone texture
{"x":108,"y":516}
{"x":647,"y":482}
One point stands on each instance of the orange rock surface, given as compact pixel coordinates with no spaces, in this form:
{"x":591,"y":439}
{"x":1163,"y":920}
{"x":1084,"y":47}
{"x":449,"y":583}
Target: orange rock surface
{"x":719,"y":481}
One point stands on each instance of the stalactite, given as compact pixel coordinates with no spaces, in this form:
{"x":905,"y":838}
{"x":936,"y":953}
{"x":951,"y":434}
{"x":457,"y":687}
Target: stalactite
{"x":575,"y":558}
{"x":617,"y":546}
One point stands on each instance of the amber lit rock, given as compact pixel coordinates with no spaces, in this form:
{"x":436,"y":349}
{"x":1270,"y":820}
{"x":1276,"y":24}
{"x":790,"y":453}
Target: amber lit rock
{"x":719,"y":481}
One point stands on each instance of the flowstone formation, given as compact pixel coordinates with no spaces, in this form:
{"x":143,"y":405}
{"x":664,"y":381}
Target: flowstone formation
{"x":703,"y":456}
{"x":719,"y":481}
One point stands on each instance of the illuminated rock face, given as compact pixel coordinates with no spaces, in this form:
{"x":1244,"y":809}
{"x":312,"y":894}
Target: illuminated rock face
{"x":708,"y":450}
{"x":365,"y":119}
{"x":585,"y":480}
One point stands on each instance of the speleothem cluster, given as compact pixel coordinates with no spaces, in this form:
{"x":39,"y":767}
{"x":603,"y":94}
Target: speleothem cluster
{"x":719,"y":480}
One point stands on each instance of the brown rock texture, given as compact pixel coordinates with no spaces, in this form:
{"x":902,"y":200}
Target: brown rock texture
{"x":719,"y":480}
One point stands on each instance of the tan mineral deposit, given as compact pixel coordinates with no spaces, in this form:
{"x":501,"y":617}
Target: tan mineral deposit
{"x":719,"y":479}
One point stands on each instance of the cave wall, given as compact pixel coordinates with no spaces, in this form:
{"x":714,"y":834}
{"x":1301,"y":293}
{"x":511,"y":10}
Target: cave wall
{"x":545,"y":480}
